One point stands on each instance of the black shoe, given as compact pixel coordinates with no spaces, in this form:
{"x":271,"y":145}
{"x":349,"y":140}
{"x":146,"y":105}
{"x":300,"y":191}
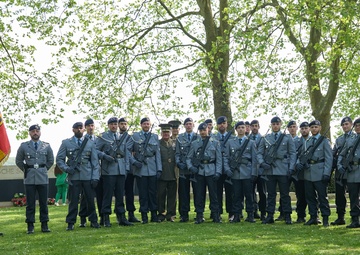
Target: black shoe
{"x":132,"y":217}
{"x":123,"y":221}
{"x":82,"y":222}
{"x":94,"y":225}
{"x":280,"y":218}
{"x":101,"y":220}
{"x":250,"y":217}
{"x":312,"y":221}
{"x":184,"y":218}
{"x":236,"y":218}
{"x":30,"y":228}
{"x":199,"y":218}
{"x":154,"y":217}
{"x":326,"y":221}
{"x":161,"y":217}
{"x":354,"y":222}
{"x":263,"y":216}
{"x":338,"y":222}
{"x":256,"y":215}
{"x":288,"y":220}
{"x":107,"y":223}
{"x":70,"y":227}
{"x":268,"y":220}
{"x":300,"y":220}
{"x":144,"y":218}
{"x":44,"y":227}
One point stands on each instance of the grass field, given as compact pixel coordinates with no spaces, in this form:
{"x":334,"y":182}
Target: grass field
{"x":173,"y":238}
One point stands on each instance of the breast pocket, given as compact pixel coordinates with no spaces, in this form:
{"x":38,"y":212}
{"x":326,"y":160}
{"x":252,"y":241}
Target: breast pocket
{"x":151,"y":149}
{"x":30,"y":158}
{"x":70,"y":153}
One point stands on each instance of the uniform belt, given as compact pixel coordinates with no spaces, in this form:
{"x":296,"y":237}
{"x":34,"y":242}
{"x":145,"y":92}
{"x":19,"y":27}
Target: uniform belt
{"x":315,"y":162}
{"x":119,"y":156}
{"x":355,"y":163}
{"x":207,"y":161}
{"x":36,"y":166}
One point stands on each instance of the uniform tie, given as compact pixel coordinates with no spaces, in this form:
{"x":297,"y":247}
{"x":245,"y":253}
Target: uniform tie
{"x":276,"y":136}
{"x":115,"y":136}
{"x":79,"y":141}
{"x":254,"y":137}
{"x":240,"y":140}
{"x":90,"y":137}
{"x":223,"y":137}
{"x":189,"y":137}
{"x":36,"y":146}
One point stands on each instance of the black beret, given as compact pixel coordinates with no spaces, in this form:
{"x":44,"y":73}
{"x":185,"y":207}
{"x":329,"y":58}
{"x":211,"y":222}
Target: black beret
{"x":174,"y":123}
{"x":88,"y":122}
{"x":239,"y":123}
{"x":291,"y":122}
{"x":304,"y":124}
{"x":253,"y":122}
{"x":188,"y":120}
{"x":357,"y":121}
{"x":112,"y":120}
{"x":33,"y":127}
{"x":78,"y":124}
{"x":144,"y":120}
{"x":122,"y":119}
{"x":221,"y":119}
{"x":202,"y":126}
{"x":165,"y":127}
{"x":346,"y":119}
{"x":315,"y":122}
{"x":208,"y":121}
{"x":247,"y":123}
{"x":275,"y":119}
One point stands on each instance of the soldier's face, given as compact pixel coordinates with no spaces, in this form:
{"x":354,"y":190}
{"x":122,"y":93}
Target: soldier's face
{"x":175,"y":131}
{"x":145,"y":126}
{"x":209,"y":127}
{"x":78,"y":132}
{"x":203,"y":133}
{"x":241,"y":129}
{"x":275,"y":127}
{"x":90,"y":129}
{"x":315,"y":129}
{"x":305,"y":131}
{"x":123,"y":126}
{"x":247,"y":128}
{"x":113,"y":127}
{"x":165,"y":135}
{"x":292,"y":130}
{"x":255,"y":128}
{"x":35,"y":134}
{"x":346,"y":126}
{"x":222,"y":127}
{"x":189,"y":126}
{"x":357,"y":128}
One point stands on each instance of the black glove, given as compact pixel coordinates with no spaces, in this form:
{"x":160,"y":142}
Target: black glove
{"x":216,"y":176}
{"x":181,"y":166}
{"x":292,"y":171}
{"x":325,"y":179}
{"x":341,"y":170}
{"x":137,"y":164}
{"x":229,"y":173}
{"x":70,"y":170}
{"x":158,"y":175}
{"x":265,"y":166}
{"x":253,"y":178}
{"x":108,"y":158}
{"x":94,"y":183}
{"x":193,"y":170}
{"x":299,"y":167}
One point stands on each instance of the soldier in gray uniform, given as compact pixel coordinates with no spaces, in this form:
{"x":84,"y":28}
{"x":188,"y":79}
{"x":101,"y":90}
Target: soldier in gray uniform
{"x":240,"y":164}
{"x":209,"y":123}
{"x":222,"y":125}
{"x":83,"y":174}
{"x":148,"y":168}
{"x":207,"y":173}
{"x":35,"y":158}
{"x":114,"y":156}
{"x":317,"y":175}
{"x":340,"y":178}
{"x":283,"y":157}
{"x":182,"y":149}
{"x":167,"y":185}
{"x":349,"y":163}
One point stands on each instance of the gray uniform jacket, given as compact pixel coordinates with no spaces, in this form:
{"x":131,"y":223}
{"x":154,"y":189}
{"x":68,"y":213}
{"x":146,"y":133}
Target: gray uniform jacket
{"x":324,"y":158}
{"x":219,"y":137}
{"x":299,"y":143}
{"x":353,"y":176}
{"x":89,"y":166}
{"x":107,"y":145}
{"x":152,"y":154}
{"x":248,"y":166}
{"x":285,"y":156}
{"x":182,"y":149}
{"x":340,"y":142}
{"x":212,"y":153}
{"x":38,"y":162}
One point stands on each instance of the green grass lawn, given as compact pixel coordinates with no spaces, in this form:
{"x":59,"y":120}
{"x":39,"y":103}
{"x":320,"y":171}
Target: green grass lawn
{"x":173,"y":238}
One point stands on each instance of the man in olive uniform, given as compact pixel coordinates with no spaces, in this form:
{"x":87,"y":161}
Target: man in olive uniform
{"x":114,"y":167}
{"x":78,"y":157}
{"x":278,"y":161}
{"x":223,"y":137}
{"x":349,"y":163}
{"x":182,"y":148}
{"x":340,"y":178}
{"x":317,"y":175}
{"x":240,"y":164}
{"x":167,"y":185}
{"x":35,"y":158}
{"x":207,"y":171}
{"x":148,"y":168}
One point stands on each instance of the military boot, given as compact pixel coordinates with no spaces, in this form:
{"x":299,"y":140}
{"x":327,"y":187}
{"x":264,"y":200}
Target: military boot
{"x":325,"y":221}
{"x":123,"y":221}
{"x":236,"y":218}
{"x":354,"y":222}
{"x":82,"y":222}
{"x":144,"y":218}
{"x":184,"y":217}
{"x":313,"y":221}
{"x":339,"y":221}
{"x":154,"y":217}
{"x":250,"y":217}
{"x":107,"y":221}
{"x":44,"y":227}
{"x":101,"y":220}
{"x":199,"y":218}
{"x":269,"y":219}
{"x":216,"y":217}
{"x":288,"y":219}
{"x":30,"y":228}
{"x":280,"y":218}
{"x":132,"y":217}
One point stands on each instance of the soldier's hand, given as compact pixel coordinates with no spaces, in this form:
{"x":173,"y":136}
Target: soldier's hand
{"x":181,"y":166}
{"x":70,"y":170}
{"x":108,"y":158}
{"x":138,"y":164}
{"x":299,"y":167}
{"x":193,"y":170}
{"x":216,"y":177}
{"x":265,"y":166}
{"x":229,"y":173}
{"x":94,"y":183}
{"x":325,"y":179}
{"x":341,"y":170}
{"x":158,"y":175}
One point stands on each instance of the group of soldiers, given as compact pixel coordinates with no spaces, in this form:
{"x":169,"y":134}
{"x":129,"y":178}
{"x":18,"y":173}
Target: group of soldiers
{"x":243,"y":164}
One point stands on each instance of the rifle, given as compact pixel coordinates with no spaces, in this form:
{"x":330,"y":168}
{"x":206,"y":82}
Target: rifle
{"x":26,"y":167}
{"x":113,"y":151}
{"x":185,"y":152}
{"x":226,"y":138}
{"x":141,"y":156}
{"x":235,"y":160}
{"x":74,"y":163}
{"x":270,"y":156}
{"x":199,"y":156}
{"x":349,"y":159}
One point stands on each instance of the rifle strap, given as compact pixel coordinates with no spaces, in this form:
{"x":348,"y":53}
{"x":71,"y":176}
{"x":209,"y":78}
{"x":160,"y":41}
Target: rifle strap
{"x":243,"y":148}
{"x":82,"y":147}
{"x":203,"y":147}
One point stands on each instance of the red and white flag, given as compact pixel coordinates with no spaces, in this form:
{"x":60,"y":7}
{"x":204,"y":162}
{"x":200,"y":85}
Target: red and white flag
{"x":4,"y":143}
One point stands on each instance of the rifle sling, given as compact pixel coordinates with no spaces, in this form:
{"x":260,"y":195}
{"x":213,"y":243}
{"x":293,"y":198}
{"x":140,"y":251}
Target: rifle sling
{"x":242,"y":150}
{"x":82,"y":147}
